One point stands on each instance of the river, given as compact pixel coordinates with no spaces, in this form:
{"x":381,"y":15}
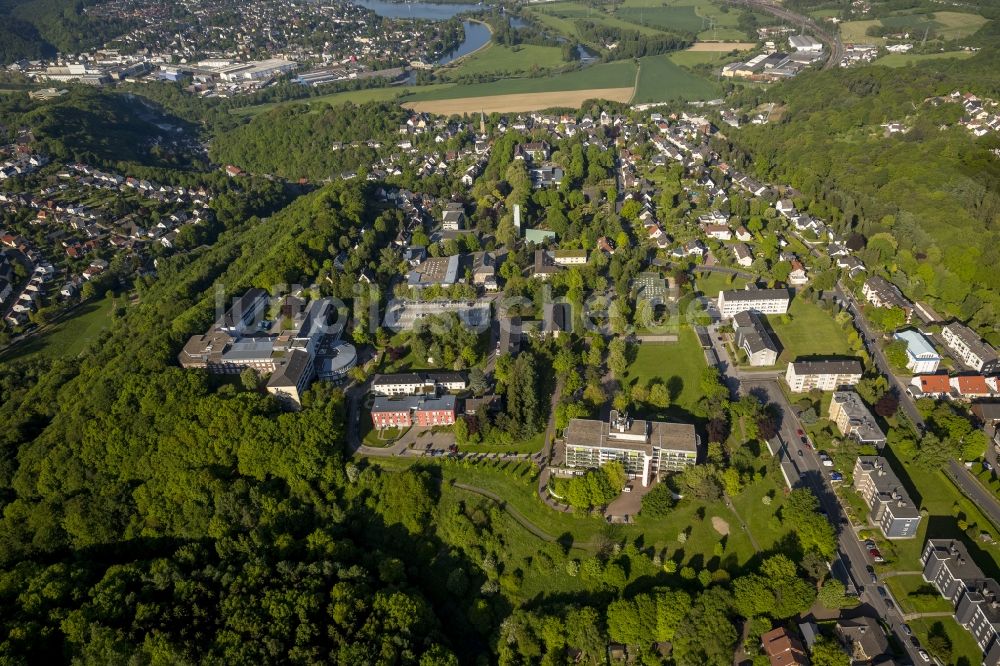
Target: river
{"x":477,"y":35}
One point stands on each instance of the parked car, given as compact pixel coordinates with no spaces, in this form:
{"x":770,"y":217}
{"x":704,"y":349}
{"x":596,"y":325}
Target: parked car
{"x":873,"y":577}
{"x":800,"y":453}
{"x":877,"y":556}
{"x":923,"y":655}
{"x":800,"y":433}
{"x":906,"y":629}
{"x":870,"y":543}
{"x":836,"y":476}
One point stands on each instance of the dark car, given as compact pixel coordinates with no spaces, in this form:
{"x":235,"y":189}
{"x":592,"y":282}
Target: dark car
{"x":800,"y":433}
{"x":874,"y":577}
{"x":800,"y":453}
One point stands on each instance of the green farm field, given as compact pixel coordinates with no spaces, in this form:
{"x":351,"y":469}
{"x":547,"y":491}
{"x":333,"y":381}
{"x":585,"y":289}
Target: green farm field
{"x":506,"y":60}
{"x":605,"y":75}
{"x":661,"y":79}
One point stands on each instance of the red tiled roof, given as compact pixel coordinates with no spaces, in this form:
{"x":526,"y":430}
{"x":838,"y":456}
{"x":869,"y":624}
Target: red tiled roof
{"x":972,"y":385}
{"x":935,"y":383}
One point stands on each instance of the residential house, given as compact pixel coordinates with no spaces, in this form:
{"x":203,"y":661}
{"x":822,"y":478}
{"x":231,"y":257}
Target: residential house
{"x":569,"y":257}
{"x":783,"y":648}
{"x":743,"y":255}
{"x":968,"y":387}
{"x":827,"y":375}
{"x":890,"y":507}
{"x":970,"y":348}
{"x":545,"y":265}
{"x":975,"y":598}
{"x":852,"y":417}
{"x":864,"y":638}
{"x":797,"y":276}
{"x":883,"y":294}
{"x":931,"y":386}
{"x":754,"y":339}
{"x":765,"y":301}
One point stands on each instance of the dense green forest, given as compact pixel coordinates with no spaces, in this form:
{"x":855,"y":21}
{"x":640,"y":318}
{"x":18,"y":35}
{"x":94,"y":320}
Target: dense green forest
{"x":39,"y":28}
{"x":934,"y":188}
{"x":295,"y":141}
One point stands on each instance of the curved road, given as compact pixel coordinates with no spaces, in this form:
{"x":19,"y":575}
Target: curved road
{"x":832,"y":41}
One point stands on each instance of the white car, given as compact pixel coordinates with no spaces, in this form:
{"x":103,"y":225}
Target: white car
{"x":923,"y":655}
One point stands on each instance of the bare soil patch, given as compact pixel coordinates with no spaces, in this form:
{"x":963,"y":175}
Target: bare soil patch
{"x":520,"y":102}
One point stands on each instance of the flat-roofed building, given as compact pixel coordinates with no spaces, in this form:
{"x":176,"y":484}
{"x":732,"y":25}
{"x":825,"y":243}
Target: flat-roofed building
{"x":646,"y":449}
{"x":754,"y":339}
{"x":921,"y":356}
{"x":889,"y":506}
{"x":803,"y":376}
{"x":765,"y":301}
{"x":970,"y":348}
{"x":851,"y":415}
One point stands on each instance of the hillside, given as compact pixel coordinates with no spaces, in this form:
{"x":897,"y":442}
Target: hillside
{"x":933,"y":189}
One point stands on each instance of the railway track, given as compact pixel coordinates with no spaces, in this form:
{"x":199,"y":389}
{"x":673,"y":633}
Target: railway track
{"x":832,"y":41}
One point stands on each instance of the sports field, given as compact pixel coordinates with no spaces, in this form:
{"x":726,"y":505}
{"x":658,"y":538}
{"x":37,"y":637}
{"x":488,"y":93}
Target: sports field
{"x":520,"y":101}
{"x":661,"y":79}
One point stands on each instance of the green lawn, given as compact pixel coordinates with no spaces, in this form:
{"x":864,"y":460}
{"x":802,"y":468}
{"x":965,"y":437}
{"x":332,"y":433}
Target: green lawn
{"x":518,"y":488}
{"x":855,"y":32}
{"x":620,"y":74}
{"x":661,"y":79}
{"x":916,"y":596}
{"x":69,"y":337}
{"x":940,"y":500}
{"x":811,"y":331}
{"x":711,"y":283}
{"x":676,"y":18}
{"x":907,"y":59}
{"x":954,"y":25}
{"x":964,"y":650}
{"x":678,"y":364}
{"x":506,"y":60}
{"x":533,"y":445}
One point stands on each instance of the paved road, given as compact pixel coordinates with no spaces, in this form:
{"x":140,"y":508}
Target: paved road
{"x":974,"y":490}
{"x":870,"y":337}
{"x":851,"y":558}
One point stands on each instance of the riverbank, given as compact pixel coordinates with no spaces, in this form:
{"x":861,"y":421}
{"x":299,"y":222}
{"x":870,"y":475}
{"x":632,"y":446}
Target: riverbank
{"x":458,"y":59}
